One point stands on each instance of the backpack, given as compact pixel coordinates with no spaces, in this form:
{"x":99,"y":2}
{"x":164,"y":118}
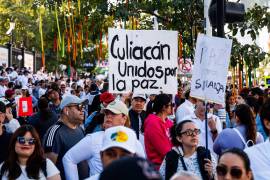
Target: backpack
{"x":246,"y":143}
{"x":172,"y":162}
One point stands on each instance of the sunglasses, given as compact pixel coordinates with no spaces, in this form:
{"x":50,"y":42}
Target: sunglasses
{"x":79,"y":107}
{"x":234,"y":172}
{"x":23,"y":140}
{"x":191,"y":132}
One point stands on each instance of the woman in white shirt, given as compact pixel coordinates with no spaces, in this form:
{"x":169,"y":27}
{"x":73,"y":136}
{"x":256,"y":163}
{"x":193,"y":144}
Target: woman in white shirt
{"x":186,"y":155}
{"x":25,"y":158}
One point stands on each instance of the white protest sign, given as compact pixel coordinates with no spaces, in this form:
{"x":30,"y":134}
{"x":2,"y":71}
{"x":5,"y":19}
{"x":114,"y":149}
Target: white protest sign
{"x":210,"y":69}
{"x":143,"y":61}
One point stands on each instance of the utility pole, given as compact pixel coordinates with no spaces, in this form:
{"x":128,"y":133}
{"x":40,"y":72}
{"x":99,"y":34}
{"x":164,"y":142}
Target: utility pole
{"x":220,"y":18}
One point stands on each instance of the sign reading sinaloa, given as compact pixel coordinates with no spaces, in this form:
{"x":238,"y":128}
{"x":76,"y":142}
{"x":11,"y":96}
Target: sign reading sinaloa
{"x":143,"y":61}
{"x":210,"y":69}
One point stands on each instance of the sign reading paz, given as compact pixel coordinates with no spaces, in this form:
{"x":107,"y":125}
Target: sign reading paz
{"x":210,"y":68}
{"x":142,"y":61}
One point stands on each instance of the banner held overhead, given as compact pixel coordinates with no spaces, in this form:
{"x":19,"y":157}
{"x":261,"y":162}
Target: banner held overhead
{"x":142,"y":61}
{"x":210,"y":69}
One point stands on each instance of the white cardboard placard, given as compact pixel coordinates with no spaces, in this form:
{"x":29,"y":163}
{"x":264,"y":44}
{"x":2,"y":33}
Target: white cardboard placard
{"x":142,"y":61}
{"x":210,"y":69}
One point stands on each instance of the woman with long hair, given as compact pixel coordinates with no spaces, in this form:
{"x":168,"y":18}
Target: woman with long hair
{"x":156,"y":130}
{"x":186,"y":155}
{"x":26,"y":159}
{"x":243,"y":135}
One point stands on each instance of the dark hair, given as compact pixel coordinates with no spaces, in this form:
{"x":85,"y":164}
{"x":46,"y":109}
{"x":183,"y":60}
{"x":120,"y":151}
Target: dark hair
{"x":241,"y":154}
{"x":35,"y":161}
{"x":265,"y":115}
{"x":160,"y":101}
{"x":43,"y":103}
{"x":135,"y":168}
{"x":175,"y":131}
{"x":187,"y":94}
{"x":253,"y":103}
{"x":244,"y":93}
{"x":245,"y":116}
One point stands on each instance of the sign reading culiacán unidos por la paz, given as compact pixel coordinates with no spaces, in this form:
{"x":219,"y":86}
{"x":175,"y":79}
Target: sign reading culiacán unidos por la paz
{"x":142,"y":61}
{"x":210,"y":68}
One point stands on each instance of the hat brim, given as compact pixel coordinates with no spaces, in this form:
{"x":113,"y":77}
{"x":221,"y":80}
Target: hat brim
{"x":118,"y":145}
{"x":113,"y":110}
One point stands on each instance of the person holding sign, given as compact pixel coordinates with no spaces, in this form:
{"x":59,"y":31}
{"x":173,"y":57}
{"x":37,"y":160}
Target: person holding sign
{"x":214,"y":126}
{"x":187,"y":108}
{"x":186,"y":155}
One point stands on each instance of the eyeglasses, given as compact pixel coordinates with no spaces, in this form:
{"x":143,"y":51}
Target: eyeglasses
{"x":23,"y":140}
{"x":234,"y":171}
{"x":79,"y":107}
{"x":191,"y":132}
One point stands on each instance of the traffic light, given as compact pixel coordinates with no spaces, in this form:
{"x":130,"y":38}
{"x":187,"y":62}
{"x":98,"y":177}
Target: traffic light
{"x":221,"y":12}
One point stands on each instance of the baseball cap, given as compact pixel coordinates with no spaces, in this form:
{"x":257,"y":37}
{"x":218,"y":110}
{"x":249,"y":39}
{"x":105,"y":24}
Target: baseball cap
{"x":135,"y":95}
{"x":119,"y":136}
{"x":106,"y":97}
{"x":131,"y":168}
{"x":71,"y":99}
{"x":117,"y":107}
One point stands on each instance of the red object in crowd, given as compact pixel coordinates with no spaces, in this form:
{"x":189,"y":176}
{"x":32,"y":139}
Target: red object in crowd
{"x":157,"y":138}
{"x":106,"y":97}
{"x":25,"y":106}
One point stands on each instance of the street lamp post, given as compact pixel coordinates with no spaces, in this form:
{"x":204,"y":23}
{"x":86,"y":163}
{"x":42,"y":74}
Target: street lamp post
{"x":10,"y":44}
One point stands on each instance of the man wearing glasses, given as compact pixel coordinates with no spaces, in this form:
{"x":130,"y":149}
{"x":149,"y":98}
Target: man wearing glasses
{"x":66,"y":133}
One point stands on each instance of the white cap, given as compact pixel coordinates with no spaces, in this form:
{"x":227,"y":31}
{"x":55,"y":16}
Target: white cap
{"x":117,"y":107}
{"x":71,"y":99}
{"x":121,"y":137}
{"x":135,"y":95}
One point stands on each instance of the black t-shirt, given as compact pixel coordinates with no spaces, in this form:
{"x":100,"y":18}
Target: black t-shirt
{"x":59,"y":139}
{"x":4,"y":143}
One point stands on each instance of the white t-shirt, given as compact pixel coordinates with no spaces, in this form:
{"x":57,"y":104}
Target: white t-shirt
{"x":89,"y":149}
{"x":259,"y":156}
{"x":51,"y":171}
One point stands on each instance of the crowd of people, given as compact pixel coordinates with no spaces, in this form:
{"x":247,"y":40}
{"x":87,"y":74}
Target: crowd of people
{"x":79,"y":130}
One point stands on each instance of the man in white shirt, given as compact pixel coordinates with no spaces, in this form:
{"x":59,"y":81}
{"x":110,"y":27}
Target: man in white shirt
{"x":214,"y":125}
{"x":116,"y":114}
{"x":187,"y":108}
{"x":259,"y":155}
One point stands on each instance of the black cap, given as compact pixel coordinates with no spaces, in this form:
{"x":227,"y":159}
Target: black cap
{"x":2,"y":107}
{"x":130,"y":169}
